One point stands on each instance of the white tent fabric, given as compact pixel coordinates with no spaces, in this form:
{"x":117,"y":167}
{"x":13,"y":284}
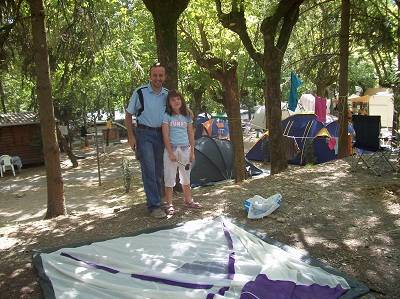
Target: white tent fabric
{"x":258,"y":121}
{"x":189,"y":261}
{"x":307,"y":103}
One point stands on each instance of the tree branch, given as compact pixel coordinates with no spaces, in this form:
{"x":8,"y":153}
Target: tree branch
{"x":289,"y":21}
{"x":212,"y":64}
{"x":204,"y":41}
{"x":314,"y":6}
{"x":236,"y":22}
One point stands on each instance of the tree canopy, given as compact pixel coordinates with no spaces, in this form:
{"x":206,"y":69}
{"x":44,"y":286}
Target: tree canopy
{"x":100,"y":50}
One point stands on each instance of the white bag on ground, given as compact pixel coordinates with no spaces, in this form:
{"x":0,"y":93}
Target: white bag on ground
{"x":261,"y":207}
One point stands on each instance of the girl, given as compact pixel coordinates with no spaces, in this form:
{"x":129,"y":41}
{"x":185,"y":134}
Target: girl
{"x":178,"y":138}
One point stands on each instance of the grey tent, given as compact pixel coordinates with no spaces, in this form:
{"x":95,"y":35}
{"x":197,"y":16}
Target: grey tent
{"x":214,"y":162}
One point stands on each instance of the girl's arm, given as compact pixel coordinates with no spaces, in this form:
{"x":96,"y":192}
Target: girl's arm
{"x":167,"y":143}
{"x":191,"y":141}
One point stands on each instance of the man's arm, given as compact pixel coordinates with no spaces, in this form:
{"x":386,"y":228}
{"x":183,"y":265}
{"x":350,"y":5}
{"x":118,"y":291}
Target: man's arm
{"x":132,"y":109}
{"x":129,"y":127}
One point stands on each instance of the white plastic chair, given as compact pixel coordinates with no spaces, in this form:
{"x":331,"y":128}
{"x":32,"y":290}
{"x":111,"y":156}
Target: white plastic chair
{"x":6,"y":163}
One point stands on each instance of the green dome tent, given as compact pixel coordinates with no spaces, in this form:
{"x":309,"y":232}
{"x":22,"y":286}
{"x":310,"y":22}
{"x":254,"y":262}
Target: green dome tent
{"x":214,"y":162}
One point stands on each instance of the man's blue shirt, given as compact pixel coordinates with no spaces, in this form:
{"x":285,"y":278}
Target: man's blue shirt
{"x":154,"y":106}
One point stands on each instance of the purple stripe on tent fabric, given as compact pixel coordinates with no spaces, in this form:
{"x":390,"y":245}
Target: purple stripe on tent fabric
{"x":264,"y":288}
{"x":231,"y":261}
{"x":222,"y":291}
{"x":228,"y":237}
{"x":94,"y":265}
{"x":143,"y":277}
{"x":173,"y":282}
{"x":231,"y":265}
{"x":230,"y":275}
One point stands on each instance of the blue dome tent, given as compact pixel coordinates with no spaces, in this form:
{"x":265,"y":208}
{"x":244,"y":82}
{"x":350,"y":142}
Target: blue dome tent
{"x":313,"y":140}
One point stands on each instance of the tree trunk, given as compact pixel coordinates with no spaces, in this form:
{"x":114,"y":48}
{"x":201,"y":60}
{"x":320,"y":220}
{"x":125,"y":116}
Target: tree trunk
{"x":165,"y":17}
{"x":276,"y":30}
{"x":197,"y":94}
{"x":322,"y":89}
{"x":396,"y":89}
{"x":55,"y":185}
{"x":3,"y":98}
{"x":232,"y":107}
{"x":343,"y":79}
{"x":272,"y":70}
{"x":67,"y":147}
{"x":225,"y":73}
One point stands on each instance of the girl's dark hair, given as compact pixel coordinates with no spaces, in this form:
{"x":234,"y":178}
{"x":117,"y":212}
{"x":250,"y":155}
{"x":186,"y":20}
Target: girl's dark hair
{"x":184,"y":110}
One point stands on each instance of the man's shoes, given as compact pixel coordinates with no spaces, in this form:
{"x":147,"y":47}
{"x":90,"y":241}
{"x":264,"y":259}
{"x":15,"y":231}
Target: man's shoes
{"x":158,"y":213}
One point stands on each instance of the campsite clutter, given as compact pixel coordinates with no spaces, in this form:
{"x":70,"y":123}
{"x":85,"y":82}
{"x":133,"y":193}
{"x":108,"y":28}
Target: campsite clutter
{"x":308,"y":141}
{"x":259,"y":207}
{"x":214,"y":127}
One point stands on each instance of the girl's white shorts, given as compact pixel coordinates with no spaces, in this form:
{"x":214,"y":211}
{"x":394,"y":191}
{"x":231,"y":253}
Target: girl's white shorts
{"x":182,"y":154}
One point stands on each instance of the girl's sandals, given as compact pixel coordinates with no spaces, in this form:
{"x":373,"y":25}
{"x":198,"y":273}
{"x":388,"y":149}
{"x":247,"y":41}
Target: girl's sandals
{"x":169,"y":209}
{"x":192,"y":205}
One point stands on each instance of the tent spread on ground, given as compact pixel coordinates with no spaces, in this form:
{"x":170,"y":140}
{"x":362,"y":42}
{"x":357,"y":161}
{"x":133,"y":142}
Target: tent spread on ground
{"x":215,"y":128}
{"x":201,"y":259}
{"x":214,"y":162}
{"x":313,"y":139}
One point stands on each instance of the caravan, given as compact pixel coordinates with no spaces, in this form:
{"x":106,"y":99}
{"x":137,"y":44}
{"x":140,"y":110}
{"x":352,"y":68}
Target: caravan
{"x":376,"y":101}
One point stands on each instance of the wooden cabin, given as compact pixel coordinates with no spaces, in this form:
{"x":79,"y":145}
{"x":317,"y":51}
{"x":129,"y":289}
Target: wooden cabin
{"x":20,"y":136}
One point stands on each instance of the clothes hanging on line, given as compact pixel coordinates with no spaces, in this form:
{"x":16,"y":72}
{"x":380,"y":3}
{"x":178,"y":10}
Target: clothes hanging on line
{"x":320,"y":108}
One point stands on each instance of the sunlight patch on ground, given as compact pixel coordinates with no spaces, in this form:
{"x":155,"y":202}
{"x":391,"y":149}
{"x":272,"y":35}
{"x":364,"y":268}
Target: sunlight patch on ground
{"x":6,"y":243}
{"x":311,"y":236}
{"x":353,"y":243}
{"x":368,"y":221}
{"x":392,"y":208}
{"x":218,"y":192}
{"x":10,"y":214}
{"x":30,"y":188}
{"x":28,"y":216}
{"x":384,"y":239}
{"x":89,"y":227}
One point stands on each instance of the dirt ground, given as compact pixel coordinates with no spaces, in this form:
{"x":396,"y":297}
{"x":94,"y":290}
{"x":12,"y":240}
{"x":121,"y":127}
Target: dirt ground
{"x":350,"y":220}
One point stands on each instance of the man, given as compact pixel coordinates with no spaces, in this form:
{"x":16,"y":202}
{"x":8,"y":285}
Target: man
{"x":148,"y":104}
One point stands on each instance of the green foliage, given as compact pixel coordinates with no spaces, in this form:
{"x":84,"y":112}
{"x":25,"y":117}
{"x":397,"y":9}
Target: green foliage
{"x":361,"y":73}
{"x":99,"y":51}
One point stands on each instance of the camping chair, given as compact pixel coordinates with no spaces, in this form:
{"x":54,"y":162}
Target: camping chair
{"x":6,"y":162}
{"x":367,"y":146}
